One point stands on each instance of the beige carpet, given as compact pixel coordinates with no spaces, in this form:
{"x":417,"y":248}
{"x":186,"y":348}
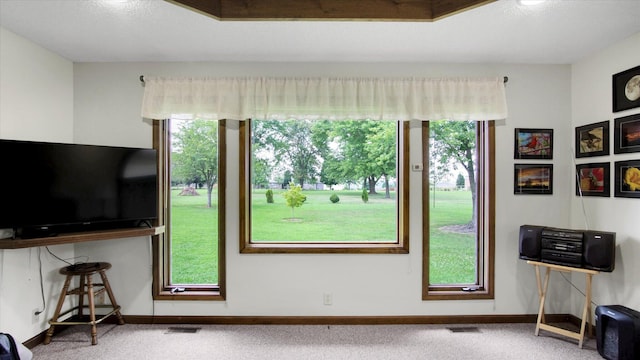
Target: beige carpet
{"x":310,"y":342}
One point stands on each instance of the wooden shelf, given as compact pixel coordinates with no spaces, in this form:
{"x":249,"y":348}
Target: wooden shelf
{"x":71,"y":238}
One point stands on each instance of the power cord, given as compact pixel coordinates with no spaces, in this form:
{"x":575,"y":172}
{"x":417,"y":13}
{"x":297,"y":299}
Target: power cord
{"x":57,"y":257}
{"x":575,"y":287}
{"x":44,"y":304}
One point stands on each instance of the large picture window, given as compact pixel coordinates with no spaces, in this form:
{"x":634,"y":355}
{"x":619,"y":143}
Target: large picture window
{"x":458,"y":211}
{"x":189,"y":262}
{"x":324,"y":186}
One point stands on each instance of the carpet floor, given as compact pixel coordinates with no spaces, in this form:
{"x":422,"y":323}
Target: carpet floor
{"x":311,"y":342}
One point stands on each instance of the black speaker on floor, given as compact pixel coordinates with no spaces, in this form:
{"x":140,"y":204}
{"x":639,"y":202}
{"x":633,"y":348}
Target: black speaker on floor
{"x":530,"y":239}
{"x":599,"y":250}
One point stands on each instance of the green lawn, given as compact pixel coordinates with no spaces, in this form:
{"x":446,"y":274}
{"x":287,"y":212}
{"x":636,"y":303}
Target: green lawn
{"x":320,"y":220}
{"x":194,"y":229}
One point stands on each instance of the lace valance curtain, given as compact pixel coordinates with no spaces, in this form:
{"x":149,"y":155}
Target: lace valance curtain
{"x":325,"y":98}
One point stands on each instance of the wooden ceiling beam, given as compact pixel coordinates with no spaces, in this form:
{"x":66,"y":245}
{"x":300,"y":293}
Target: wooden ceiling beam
{"x":328,"y":10}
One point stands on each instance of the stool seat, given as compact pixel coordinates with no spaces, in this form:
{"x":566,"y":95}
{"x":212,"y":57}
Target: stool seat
{"x":87,"y":287}
{"x":85,"y":268}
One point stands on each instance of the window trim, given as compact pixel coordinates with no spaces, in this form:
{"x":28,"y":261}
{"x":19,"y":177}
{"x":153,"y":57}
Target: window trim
{"x":401,"y":246}
{"x":485,"y":137}
{"x":161,"y":246}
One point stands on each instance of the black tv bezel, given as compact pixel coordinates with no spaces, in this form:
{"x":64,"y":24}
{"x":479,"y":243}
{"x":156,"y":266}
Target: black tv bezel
{"x":26,"y":229}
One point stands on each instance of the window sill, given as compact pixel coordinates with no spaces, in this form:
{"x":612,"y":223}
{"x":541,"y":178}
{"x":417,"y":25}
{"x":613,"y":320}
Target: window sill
{"x":458,"y":294}
{"x":189,"y":295}
{"x":322,"y":248}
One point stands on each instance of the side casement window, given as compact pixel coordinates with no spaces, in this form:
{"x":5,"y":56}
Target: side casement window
{"x":189,"y":256}
{"x":458,"y":209}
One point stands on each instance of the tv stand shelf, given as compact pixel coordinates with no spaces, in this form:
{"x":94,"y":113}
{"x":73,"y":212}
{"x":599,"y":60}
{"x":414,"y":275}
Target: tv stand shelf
{"x":70,"y":238}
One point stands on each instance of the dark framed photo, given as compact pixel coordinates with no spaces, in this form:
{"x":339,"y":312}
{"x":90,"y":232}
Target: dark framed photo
{"x":626,"y":89}
{"x":627,"y":179}
{"x":626,"y":134}
{"x":533,"y":144}
{"x":593,"y":179}
{"x":534,"y":179}
{"x":592,"y":140}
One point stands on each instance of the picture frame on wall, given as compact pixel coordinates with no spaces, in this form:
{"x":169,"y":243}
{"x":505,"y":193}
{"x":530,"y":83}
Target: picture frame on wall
{"x":627,"y":179}
{"x":592,"y":140}
{"x":626,"y":89}
{"x":533,"y":144}
{"x":535,"y":179}
{"x":626,"y":135}
{"x":593,"y":179}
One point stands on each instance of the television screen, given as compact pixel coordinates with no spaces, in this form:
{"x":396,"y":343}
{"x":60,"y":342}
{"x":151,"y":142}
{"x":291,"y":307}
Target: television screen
{"x":53,"y":187}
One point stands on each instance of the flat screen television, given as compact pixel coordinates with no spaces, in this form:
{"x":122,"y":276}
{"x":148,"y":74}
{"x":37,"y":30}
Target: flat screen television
{"x":618,"y":332}
{"x":50,"y":188}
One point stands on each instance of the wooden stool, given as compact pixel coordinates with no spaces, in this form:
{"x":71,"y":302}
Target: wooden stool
{"x":87,"y":287}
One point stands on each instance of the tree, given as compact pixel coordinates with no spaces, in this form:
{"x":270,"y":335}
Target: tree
{"x":260,"y":172}
{"x":294,"y":197}
{"x":460,"y":181}
{"x":366,"y":150}
{"x":195,"y":153}
{"x":289,"y":143}
{"x":381,"y":147}
{"x":456,"y":141}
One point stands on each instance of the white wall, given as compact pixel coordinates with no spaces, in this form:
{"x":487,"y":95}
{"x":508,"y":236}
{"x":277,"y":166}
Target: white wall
{"x":36,"y":103}
{"x":591,"y":102}
{"x":293,"y":284}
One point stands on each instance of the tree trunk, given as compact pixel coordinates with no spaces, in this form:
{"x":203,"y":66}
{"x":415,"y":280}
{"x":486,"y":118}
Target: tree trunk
{"x":209,"y":191}
{"x":387,"y":195}
{"x":372,"y":184}
{"x":471,"y":172}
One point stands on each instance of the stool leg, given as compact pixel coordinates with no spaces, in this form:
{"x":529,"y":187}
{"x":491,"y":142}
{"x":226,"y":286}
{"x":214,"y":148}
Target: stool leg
{"x":82,"y":290}
{"x":92,"y":311}
{"x":112,"y":298}
{"x":56,"y":314}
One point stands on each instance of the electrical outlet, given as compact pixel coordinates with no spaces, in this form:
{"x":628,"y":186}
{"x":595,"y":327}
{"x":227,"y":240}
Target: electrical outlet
{"x":327,"y":298}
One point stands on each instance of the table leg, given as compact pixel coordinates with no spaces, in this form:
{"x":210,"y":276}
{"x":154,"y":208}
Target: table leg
{"x":543,"y":292}
{"x":586,"y":311}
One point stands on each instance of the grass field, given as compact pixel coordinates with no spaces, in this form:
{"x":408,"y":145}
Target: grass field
{"x":194,"y":230}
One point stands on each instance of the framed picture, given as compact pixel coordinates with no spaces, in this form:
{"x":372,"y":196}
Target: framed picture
{"x":592,"y":140}
{"x":533,"y":179}
{"x":627,"y":179}
{"x":533,"y":144}
{"x":626,"y":89}
{"x":626,"y":136}
{"x":593,"y":179}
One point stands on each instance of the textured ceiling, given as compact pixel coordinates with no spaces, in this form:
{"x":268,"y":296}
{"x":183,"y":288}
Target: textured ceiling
{"x":556,"y":31}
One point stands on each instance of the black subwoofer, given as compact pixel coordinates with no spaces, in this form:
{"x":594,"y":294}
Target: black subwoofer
{"x":530,"y":242}
{"x":599,"y":250}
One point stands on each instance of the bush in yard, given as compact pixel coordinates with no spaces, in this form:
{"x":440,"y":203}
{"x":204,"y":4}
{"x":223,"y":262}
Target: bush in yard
{"x":334,"y":198}
{"x":269,"y":195}
{"x":294,"y":197}
{"x":365,"y":196}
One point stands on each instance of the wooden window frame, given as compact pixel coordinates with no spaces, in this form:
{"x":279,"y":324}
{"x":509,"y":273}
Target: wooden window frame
{"x":401,"y":246}
{"x":161,"y":244}
{"x":485,"y":266}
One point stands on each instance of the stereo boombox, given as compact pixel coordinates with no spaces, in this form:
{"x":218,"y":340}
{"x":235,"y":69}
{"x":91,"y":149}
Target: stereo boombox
{"x":589,"y":249}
